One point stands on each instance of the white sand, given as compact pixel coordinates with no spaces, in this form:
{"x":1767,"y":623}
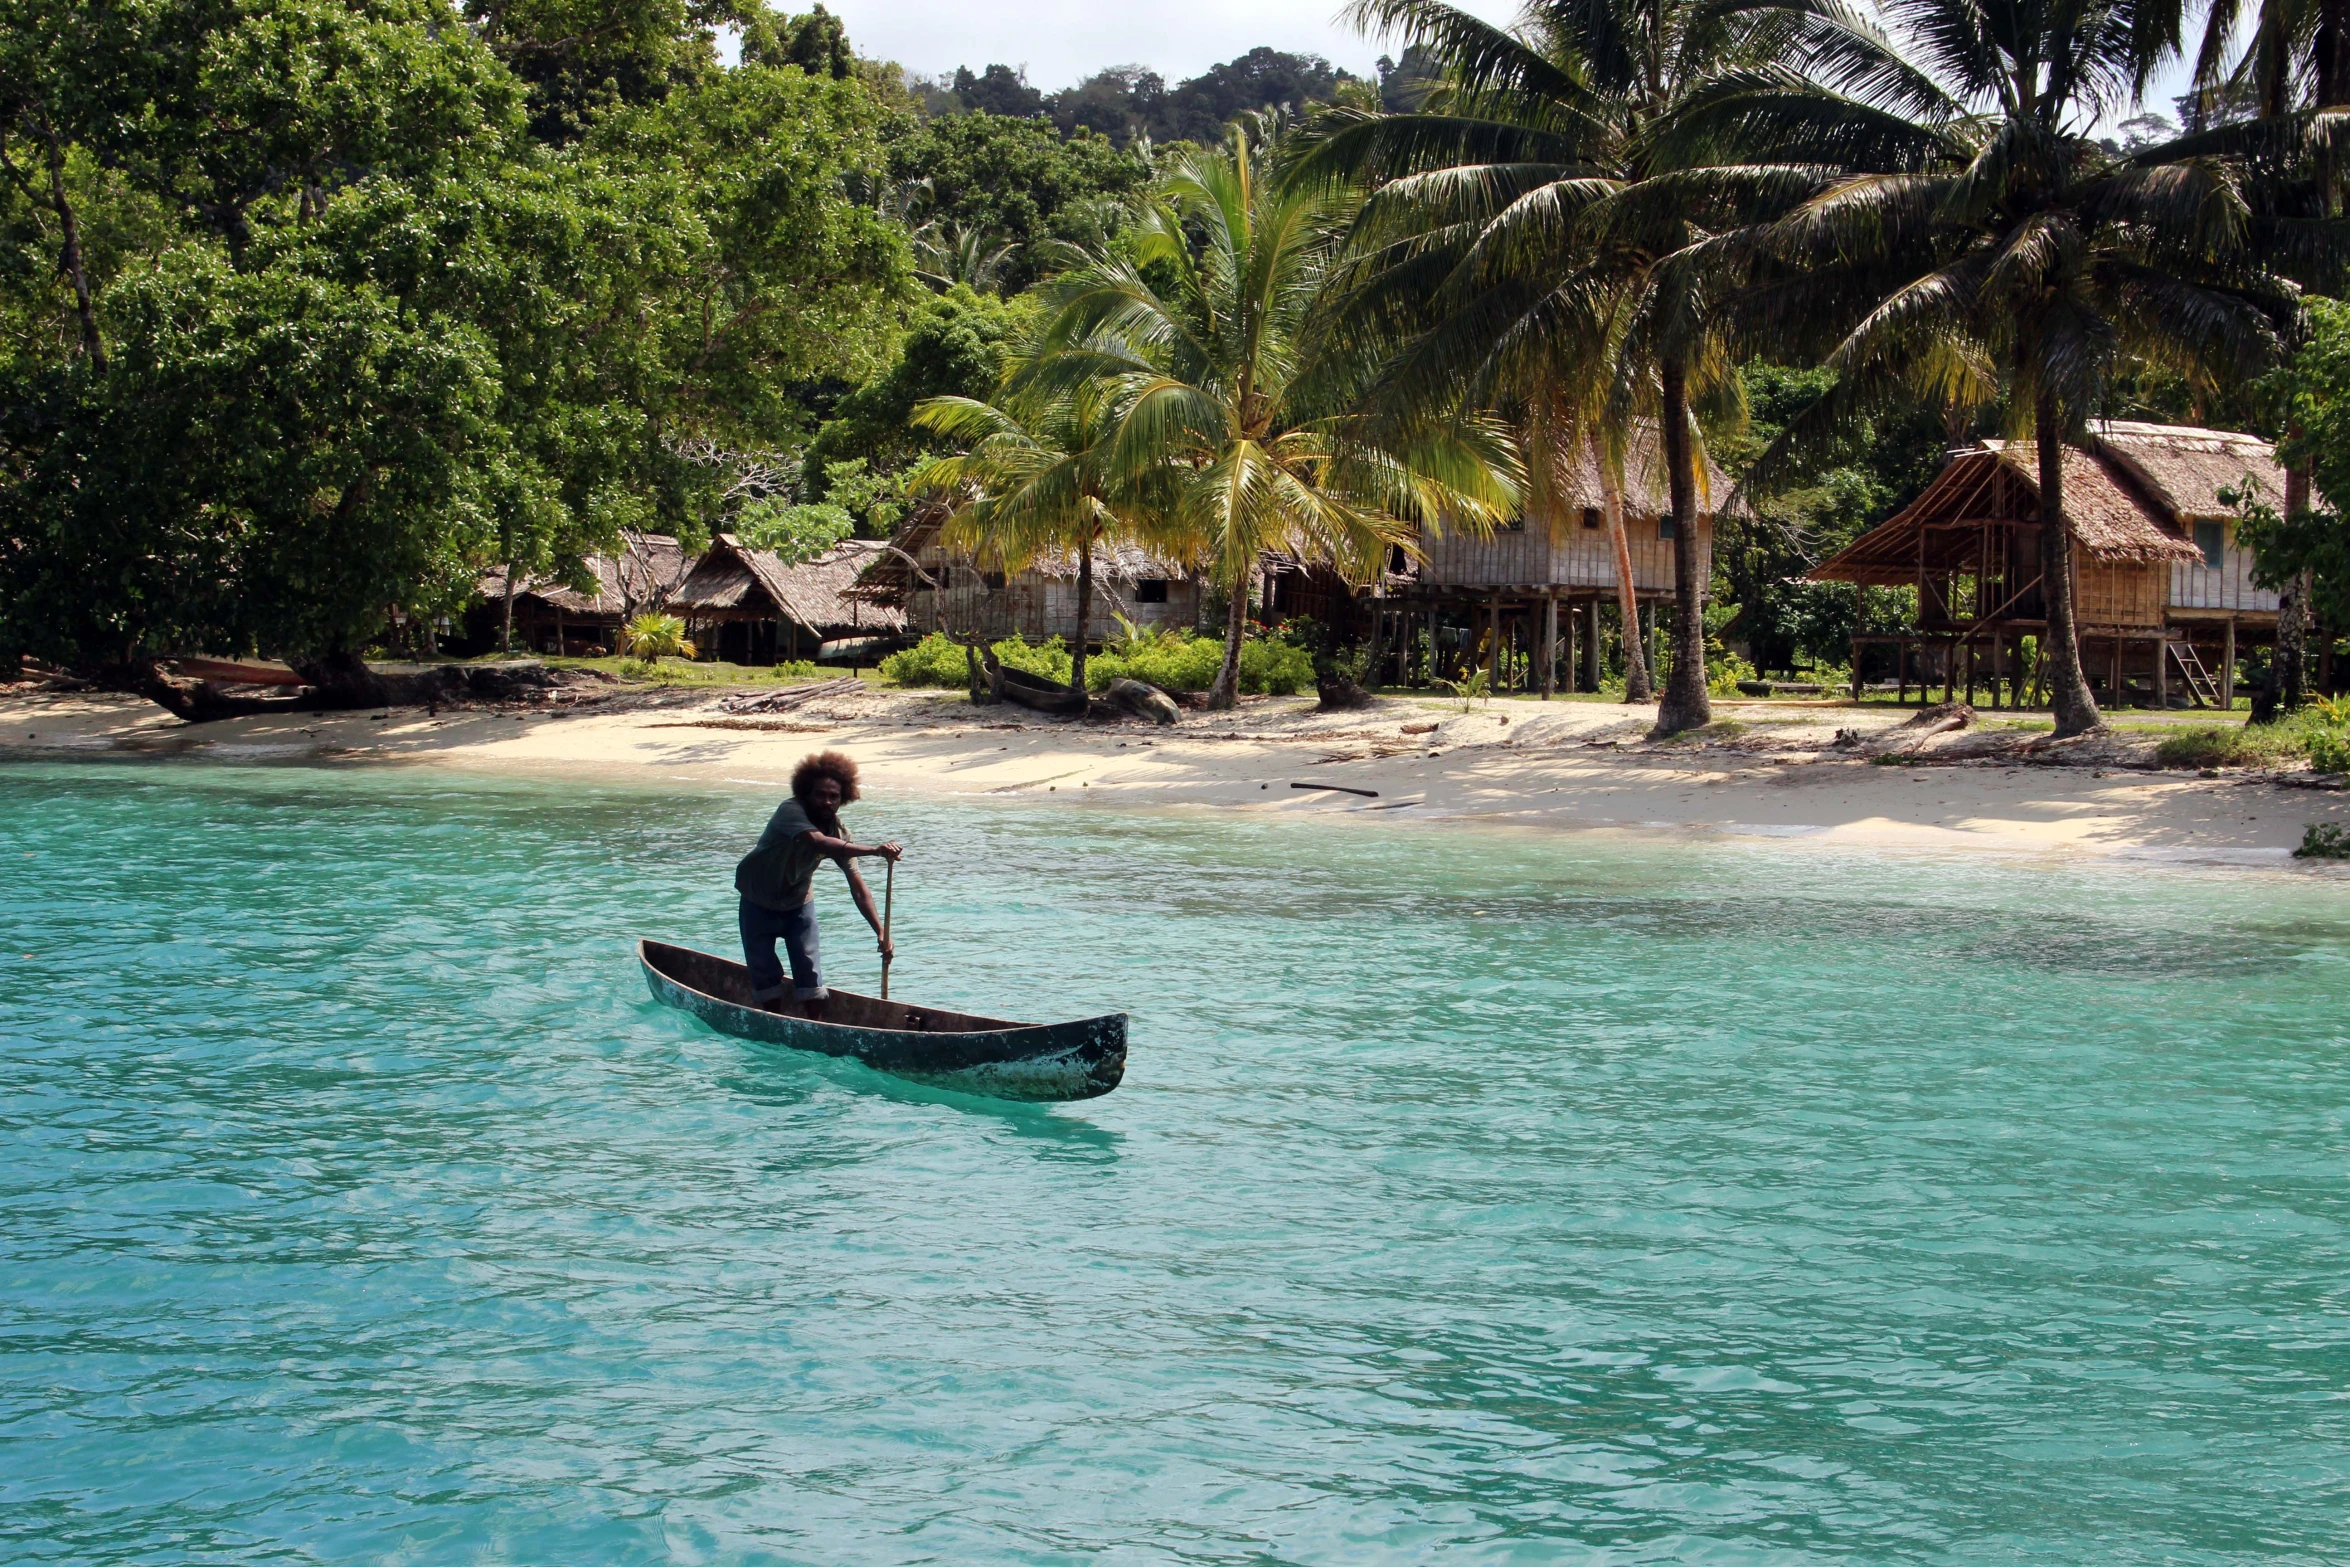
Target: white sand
{"x":1567,"y":764}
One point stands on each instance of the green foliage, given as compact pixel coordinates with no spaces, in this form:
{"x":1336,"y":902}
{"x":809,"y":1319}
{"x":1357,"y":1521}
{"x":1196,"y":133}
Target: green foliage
{"x":936,"y":660}
{"x":2316,"y":392}
{"x":1274,"y":666}
{"x":2324,"y":841}
{"x":650,"y":638}
{"x":2247,"y":745}
{"x":1018,"y":179}
{"x":268,"y":463}
{"x":794,"y":532}
{"x":1476,"y":686}
{"x":2329,"y":750}
{"x":956,"y":348}
{"x":1180,"y":660}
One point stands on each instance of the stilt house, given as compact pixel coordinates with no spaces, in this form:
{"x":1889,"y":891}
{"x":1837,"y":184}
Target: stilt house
{"x":963,"y":599}
{"x":553,"y":616}
{"x":746,"y":606}
{"x":1517,"y":591}
{"x":2164,"y":595}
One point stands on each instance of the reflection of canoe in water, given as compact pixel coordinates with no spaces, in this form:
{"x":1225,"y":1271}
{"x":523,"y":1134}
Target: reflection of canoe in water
{"x":1034,"y":692}
{"x":977,"y":1055}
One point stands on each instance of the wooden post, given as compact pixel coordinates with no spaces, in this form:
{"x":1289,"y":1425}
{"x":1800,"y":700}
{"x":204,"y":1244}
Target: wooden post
{"x":1493,"y":644}
{"x":1593,"y":665}
{"x":1856,"y":666}
{"x":2227,"y":669}
{"x":1378,"y":642}
{"x":2113,"y":678}
{"x":1900,"y":671}
{"x":1970,"y":671}
{"x":1950,"y":671}
{"x":2162,"y":671}
{"x":1550,"y":643}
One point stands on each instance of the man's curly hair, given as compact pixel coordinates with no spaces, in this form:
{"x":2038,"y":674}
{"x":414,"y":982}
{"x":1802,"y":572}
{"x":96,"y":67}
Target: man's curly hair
{"x":824,"y":764}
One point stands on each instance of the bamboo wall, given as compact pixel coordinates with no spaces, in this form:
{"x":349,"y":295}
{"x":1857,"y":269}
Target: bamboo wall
{"x":1038,"y":607}
{"x":1578,"y":557}
{"x":2118,"y":594}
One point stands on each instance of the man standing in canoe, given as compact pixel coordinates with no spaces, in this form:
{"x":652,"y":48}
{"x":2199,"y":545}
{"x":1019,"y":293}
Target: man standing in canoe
{"x":777,"y":882}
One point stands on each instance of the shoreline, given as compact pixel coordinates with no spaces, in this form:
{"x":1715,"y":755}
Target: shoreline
{"x":1766,"y":770}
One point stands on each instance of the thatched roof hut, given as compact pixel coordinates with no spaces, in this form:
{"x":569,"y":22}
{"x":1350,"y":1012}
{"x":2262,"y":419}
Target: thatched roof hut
{"x":553,"y":612}
{"x":764,"y":610}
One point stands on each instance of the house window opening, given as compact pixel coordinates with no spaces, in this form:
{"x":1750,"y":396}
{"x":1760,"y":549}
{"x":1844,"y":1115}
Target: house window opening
{"x":1591,"y":517}
{"x":2212,"y":539}
{"x":1150,"y":590}
{"x":993,"y":581}
{"x":1664,"y":527}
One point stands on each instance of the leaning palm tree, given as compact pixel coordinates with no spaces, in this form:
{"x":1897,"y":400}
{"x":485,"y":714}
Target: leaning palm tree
{"x":1528,"y":208}
{"x":1033,"y":482}
{"x":1976,"y":243}
{"x":1198,"y":336}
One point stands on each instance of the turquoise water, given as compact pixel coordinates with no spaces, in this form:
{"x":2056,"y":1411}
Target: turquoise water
{"x":1472,"y":1197}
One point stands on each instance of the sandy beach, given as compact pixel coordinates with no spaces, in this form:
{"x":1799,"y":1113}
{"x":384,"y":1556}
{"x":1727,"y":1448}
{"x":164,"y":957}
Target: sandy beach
{"x":1766,"y":768}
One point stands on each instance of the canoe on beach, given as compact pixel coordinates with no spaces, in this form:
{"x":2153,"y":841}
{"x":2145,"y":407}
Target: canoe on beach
{"x":974,"y":1055}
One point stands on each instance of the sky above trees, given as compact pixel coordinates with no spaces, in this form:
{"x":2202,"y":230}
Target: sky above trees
{"x":1063,"y":41}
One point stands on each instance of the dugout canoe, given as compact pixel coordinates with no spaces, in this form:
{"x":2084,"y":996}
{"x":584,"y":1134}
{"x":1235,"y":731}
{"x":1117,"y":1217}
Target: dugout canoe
{"x":1035,"y":692}
{"x":974,"y":1055}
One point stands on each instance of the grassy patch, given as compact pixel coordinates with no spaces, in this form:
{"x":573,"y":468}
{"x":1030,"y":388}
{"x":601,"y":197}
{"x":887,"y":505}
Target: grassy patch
{"x":682,"y":672}
{"x":2237,"y":745}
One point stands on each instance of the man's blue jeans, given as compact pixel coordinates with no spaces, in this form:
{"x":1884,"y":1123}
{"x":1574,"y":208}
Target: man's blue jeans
{"x":797,"y":928}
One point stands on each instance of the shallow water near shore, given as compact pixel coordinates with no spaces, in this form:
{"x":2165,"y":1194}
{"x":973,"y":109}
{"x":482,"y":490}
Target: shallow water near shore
{"x":1473,"y":1196}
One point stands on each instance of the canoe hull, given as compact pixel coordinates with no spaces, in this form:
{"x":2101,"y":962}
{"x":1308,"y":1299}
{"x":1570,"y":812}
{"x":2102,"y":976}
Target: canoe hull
{"x":1037,"y":1062}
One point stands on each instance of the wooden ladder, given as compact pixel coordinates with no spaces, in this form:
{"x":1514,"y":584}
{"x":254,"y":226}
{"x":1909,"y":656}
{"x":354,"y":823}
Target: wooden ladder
{"x":2200,"y":685}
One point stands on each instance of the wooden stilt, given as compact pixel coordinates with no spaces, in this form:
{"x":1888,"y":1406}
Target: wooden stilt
{"x":1493,"y":643}
{"x":1593,"y":655}
{"x":1901,"y":672}
{"x":2227,"y":671}
{"x":1856,"y":667}
{"x":1548,"y":657}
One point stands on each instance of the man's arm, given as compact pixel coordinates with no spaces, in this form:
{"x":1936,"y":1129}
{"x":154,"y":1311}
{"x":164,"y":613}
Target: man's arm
{"x":843,"y":851}
{"x":864,"y":897}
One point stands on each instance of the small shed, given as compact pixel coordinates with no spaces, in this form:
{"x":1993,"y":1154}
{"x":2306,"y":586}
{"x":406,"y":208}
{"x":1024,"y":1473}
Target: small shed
{"x":747,"y":606}
{"x":1038,"y":602}
{"x":2164,"y":595}
{"x":553,"y":615}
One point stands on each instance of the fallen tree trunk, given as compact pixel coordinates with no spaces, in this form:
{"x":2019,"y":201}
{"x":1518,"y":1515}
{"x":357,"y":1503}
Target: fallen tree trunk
{"x":1909,"y":738}
{"x":338,"y":684}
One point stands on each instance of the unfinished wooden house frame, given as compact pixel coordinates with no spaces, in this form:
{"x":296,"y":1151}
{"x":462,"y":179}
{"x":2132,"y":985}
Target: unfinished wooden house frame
{"x":2164,"y":598}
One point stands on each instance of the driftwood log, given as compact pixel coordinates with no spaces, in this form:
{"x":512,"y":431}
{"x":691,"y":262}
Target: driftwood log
{"x":1144,"y":700}
{"x":339,"y":683}
{"x":1907,"y":739}
{"x":1341,"y":695}
{"x":793,"y":698}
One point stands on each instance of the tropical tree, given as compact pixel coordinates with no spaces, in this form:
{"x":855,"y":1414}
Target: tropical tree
{"x":1199,"y":331}
{"x":1037,"y":478}
{"x":1977,"y":242}
{"x":1546,"y":233}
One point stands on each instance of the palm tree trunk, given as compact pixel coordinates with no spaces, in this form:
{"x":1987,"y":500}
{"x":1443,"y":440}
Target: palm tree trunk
{"x":506,"y":634}
{"x":2068,"y":689}
{"x":1686,"y":705}
{"x":1084,"y":605}
{"x":1226,"y":691}
{"x":1611,"y":498}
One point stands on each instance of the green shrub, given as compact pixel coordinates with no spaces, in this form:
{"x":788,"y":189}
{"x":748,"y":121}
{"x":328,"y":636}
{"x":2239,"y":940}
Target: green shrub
{"x":1172,"y":661}
{"x":1723,"y":673}
{"x":937,"y":660}
{"x":2307,"y":734}
{"x":1275,"y":666}
{"x":652,"y":637}
{"x":2323,"y":841}
{"x":2329,"y":750}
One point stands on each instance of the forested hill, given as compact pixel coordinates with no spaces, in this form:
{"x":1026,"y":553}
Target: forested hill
{"x":314,"y":310}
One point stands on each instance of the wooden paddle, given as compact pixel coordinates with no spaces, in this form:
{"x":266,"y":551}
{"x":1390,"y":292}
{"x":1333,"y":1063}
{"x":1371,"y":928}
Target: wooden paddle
{"x":889,"y":889}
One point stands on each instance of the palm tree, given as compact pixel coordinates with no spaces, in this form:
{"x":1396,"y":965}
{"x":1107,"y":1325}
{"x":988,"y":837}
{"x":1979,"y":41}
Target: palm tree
{"x":1197,"y":333}
{"x":1976,"y":243}
{"x":1034,"y":482}
{"x":1530,"y":209}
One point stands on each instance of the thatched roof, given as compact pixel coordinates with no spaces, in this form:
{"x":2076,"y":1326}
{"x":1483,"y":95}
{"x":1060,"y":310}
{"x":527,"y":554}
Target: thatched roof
{"x":2185,"y":469}
{"x":649,"y":565}
{"x":2114,"y":517}
{"x":1646,"y":492}
{"x":734,"y":578}
{"x":888,"y":579}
